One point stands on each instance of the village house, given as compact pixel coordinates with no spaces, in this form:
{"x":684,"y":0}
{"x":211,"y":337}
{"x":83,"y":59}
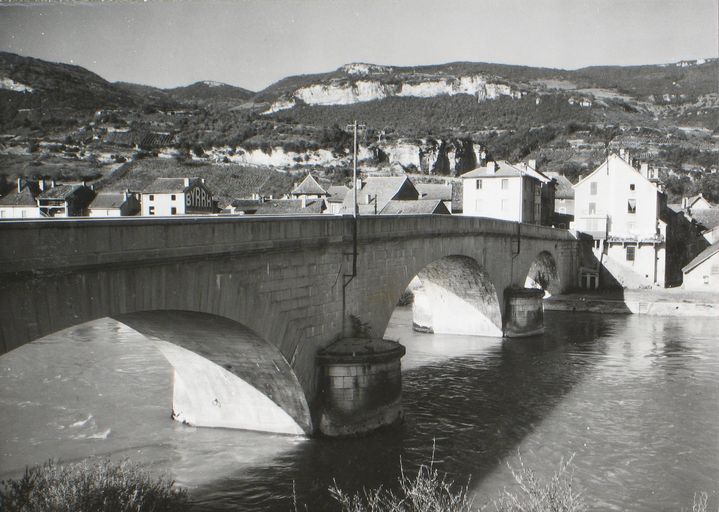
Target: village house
{"x":21,"y":202}
{"x":504,"y":191}
{"x":177,"y":196}
{"x":308,"y":189}
{"x":417,"y":207}
{"x":375,"y":192}
{"x":335,"y":197}
{"x":114,"y":204}
{"x":441,"y":191}
{"x":65,"y":200}
{"x":622,"y":209}
{"x":563,"y":200}
{"x":291,"y":207}
{"x":702,"y":273}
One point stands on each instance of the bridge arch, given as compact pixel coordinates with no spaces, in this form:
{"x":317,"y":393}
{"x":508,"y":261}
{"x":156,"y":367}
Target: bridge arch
{"x":225,"y":374}
{"x":543,"y":273}
{"x":455,"y":295}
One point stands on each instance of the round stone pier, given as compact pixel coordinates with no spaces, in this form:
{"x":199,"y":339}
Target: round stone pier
{"x":361,"y":385}
{"x":525,"y":312}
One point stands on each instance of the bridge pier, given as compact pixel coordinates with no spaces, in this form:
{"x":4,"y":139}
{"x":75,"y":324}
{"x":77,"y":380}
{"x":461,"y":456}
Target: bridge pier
{"x":360,"y":386}
{"x":524,"y":312}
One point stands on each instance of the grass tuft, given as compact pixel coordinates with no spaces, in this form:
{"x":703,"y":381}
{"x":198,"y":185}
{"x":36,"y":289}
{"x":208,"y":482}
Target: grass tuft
{"x":93,"y":485}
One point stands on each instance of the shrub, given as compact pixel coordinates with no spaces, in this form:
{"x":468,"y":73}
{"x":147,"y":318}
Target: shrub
{"x":427,"y":491}
{"x":430,"y":491}
{"x":406,"y":298}
{"x":556,"y":495}
{"x":92,"y":485}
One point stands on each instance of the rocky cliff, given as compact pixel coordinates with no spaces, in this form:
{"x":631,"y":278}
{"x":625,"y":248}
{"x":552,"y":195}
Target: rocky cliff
{"x":358,"y":83}
{"x":448,"y":157}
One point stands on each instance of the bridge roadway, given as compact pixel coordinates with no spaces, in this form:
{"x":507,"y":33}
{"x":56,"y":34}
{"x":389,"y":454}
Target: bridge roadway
{"x":255,"y":298}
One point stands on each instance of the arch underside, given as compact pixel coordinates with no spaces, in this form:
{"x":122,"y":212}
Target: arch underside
{"x":225,"y":375}
{"x":543,"y":274}
{"x":456,"y":296}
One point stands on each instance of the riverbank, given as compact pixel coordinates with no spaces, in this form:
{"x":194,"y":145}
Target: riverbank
{"x":658,"y":302}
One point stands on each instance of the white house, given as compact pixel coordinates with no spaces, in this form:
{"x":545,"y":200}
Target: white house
{"x":335,"y":197}
{"x":177,"y":196}
{"x":620,"y":207}
{"x":702,"y":273}
{"x":308,"y":189}
{"x":510,"y":192}
{"x":114,"y":204}
{"x":20,"y":203}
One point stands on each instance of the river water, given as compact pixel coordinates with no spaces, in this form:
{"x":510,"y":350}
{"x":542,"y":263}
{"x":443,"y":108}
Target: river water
{"x":635,"y":400}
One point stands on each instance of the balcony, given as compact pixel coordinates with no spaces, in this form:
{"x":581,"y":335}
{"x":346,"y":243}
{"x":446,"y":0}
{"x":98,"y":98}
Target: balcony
{"x":595,"y":225}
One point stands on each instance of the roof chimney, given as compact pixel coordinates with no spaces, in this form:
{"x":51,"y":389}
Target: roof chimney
{"x":491,"y":167}
{"x":358,"y":184}
{"x":186,"y":181}
{"x":532,"y":164}
{"x":645,"y":169}
{"x":19,"y":185}
{"x":304,"y":201}
{"x":41,"y":183}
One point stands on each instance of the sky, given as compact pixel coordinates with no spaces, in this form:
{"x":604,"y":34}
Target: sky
{"x":253,"y":43}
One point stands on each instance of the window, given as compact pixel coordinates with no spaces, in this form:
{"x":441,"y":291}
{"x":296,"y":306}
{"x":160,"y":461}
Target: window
{"x":597,"y":244}
{"x":173,"y":211}
{"x":630,"y":252}
{"x":479,"y":184}
{"x":632,"y":186}
{"x":152,"y":197}
{"x":593,"y":188}
{"x":173,"y":197}
{"x":592,"y":208}
{"x":632,"y":206}
{"x":152,"y":210}
{"x":505,"y":184}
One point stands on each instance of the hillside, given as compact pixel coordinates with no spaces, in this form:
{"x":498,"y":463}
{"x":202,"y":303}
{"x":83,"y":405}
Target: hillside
{"x":434,"y":120}
{"x":210,"y":91}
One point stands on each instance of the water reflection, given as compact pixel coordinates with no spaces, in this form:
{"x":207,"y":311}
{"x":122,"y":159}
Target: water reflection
{"x":634,"y":398}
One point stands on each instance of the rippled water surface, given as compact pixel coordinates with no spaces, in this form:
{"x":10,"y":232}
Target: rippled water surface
{"x":635,"y":399}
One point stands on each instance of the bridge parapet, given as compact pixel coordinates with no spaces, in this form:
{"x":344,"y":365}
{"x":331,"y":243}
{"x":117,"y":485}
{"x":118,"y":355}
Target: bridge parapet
{"x":281,"y":277}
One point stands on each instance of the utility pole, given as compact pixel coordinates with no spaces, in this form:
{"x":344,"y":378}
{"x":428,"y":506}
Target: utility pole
{"x":355,"y":217}
{"x":355,"y":208}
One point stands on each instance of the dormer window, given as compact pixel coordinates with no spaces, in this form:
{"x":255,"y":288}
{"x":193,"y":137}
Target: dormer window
{"x":632,"y":206}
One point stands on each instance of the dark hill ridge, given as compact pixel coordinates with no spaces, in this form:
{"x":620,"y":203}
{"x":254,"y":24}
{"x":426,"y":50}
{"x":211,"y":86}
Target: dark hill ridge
{"x":208,"y":90}
{"x":57,"y":87}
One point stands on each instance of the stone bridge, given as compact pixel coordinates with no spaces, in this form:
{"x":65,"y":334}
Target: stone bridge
{"x":241,"y":306}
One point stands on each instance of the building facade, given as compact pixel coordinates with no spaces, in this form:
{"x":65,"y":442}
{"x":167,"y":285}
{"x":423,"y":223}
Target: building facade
{"x":503,"y":191}
{"x":21,"y":202}
{"x":621,"y":208}
{"x":114,"y":204}
{"x":177,"y":196}
{"x":702,"y":273}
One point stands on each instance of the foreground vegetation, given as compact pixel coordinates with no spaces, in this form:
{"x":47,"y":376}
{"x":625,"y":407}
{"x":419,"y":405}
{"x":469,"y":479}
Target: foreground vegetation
{"x":90,"y":486}
{"x":430,"y":491}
